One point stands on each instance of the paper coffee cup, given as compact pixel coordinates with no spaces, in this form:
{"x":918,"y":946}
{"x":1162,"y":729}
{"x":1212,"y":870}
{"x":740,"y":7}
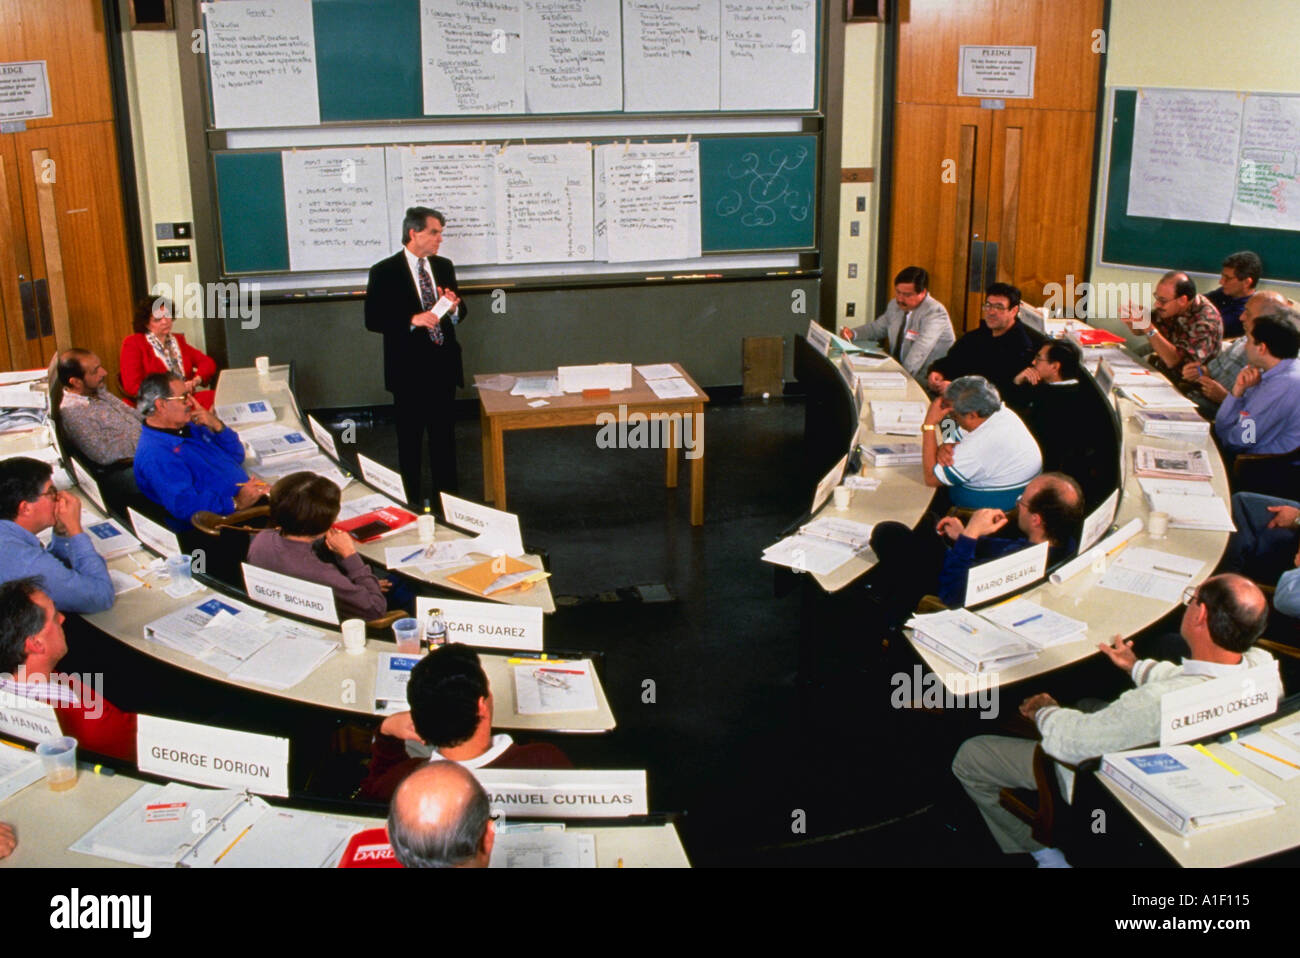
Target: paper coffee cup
{"x":354,"y":636}
{"x":843,"y":496}
{"x":425,"y":527}
{"x":1157,"y":524}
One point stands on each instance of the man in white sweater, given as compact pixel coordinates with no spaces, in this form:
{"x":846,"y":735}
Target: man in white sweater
{"x":1224,"y":616}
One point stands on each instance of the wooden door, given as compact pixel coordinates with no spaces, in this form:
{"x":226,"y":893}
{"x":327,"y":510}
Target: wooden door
{"x":971,"y":181}
{"x":64,"y":268}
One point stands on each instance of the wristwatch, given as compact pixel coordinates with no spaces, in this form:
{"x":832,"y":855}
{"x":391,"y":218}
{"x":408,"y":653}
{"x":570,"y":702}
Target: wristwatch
{"x":930,"y":427}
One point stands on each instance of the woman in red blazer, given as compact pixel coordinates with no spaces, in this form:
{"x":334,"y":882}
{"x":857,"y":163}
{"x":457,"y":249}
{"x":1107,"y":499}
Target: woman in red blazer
{"x":154,"y":348}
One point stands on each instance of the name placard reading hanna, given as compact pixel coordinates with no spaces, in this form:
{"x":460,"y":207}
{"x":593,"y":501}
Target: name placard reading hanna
{"x":487,"y":624}
{"x":381,"y":477}
{"x":496,"y":529}
{"x":988,"y":580}
{"x":1193,"y":713}
{"x":292,"y":595}
{"x":156,"y":537}
{"x":27,"y":719}
{"x":565,"y":793}
{"x":212,"y":756}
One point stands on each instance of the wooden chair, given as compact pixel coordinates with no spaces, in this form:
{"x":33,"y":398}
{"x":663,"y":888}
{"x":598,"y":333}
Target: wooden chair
{"x":1043,"y":816}
{"x":1271,"y":475}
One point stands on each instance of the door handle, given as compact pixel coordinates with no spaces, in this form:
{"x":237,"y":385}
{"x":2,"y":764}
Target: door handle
{"x":43,"y":311}
{"x":27,"y":297}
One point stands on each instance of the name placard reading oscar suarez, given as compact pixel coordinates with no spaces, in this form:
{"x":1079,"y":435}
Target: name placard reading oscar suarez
{"x":565,"y":793}
{"x":212,"y":756}
{"x":988,"y":580}
{"x":496,"y":529}
{"x":292,"y":595}
{"x":488,"y":624}
{"x":1223,"y":703}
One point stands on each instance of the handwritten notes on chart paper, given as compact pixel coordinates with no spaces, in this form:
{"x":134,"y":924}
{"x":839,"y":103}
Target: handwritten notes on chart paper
{"x":670,"y":55}
{"x":460,"y":181}
{"x":262,"y":64}
{"x":473,"y":58}
{"x":648,"y":201}
{"x":572,"y":56}
{"x":1217,"y":157}
{"x":543,"y":203}
{"x":335,"y":208}
{"x":769,"y":54}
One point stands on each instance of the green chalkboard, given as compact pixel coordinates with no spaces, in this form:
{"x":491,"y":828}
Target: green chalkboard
{"x":368,"y":59}
{"x":756,"y":193}
{"x":1174,"y":244}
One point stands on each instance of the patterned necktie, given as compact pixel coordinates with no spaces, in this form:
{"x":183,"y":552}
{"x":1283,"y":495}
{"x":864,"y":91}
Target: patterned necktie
{"x":428,"y":298}
{"x":902,"y":337}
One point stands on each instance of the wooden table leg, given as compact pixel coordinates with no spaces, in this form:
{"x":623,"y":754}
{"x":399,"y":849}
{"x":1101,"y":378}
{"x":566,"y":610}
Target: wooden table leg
{"x":697,"y":467}
{"x":485,"y":431}
{"x":670,"y":479}
{"x":499,"y":461}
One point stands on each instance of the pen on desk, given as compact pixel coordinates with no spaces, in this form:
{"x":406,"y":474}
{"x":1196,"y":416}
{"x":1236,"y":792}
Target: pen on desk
{"x":565,"y":671}
{"x":232,"y":844}
{"x":1160,"y":568}
{"x":1016,"y":625}
{"x":417,"y":552}
{"x":96,"y":769}
{"x":1276,"y":758}
{"x":530,"y":657}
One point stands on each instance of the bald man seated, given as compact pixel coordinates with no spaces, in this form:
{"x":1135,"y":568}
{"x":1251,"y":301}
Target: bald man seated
{"x":440,"y":818}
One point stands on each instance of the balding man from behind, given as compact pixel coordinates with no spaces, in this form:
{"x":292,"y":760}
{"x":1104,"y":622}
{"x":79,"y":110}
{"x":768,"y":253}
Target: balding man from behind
{"x":440,"y":818}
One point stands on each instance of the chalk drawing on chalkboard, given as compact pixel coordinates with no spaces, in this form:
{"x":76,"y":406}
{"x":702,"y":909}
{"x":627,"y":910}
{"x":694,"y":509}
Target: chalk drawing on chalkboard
{"x":764,"y":193}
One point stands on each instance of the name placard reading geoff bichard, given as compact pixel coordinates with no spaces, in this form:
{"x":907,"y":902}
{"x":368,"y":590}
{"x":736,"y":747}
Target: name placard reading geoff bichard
{"x":212,"y":756}
{"x":488,"y":624}
{"x":565,"y":793}
{"x":298,"y":596}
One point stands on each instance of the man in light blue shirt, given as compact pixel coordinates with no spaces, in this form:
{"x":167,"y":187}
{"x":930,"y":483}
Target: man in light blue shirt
{"x":1262,"y":412}
{"x":70,"y":572}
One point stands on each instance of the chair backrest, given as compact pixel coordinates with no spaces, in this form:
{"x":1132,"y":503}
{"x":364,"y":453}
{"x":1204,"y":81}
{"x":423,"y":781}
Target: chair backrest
{"x":1275,"y":475}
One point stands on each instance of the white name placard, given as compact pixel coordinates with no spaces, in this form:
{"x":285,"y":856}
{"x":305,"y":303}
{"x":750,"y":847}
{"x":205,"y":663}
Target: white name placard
{"x":496,"y":529}
{"x":819,"y":337}
{"x":158,"y":538}
{"x":612,"y":376}
{"x":1095,"y":525}
{"x":284,"y":592}
{"x":325,"y":439}
{"x":1211,"y":707}
{"x":27,"y":719}
{"x":988,"y":580}
{"x":487,"y":624}
{"x":828,"y":483}
{"x":565,"y":793}
{"x":381,"y":477}
{"x":88,"y":485}
{"x":212,"y":756}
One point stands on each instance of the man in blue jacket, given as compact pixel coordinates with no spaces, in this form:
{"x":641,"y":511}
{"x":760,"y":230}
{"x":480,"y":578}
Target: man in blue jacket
{"x":188,"y":460}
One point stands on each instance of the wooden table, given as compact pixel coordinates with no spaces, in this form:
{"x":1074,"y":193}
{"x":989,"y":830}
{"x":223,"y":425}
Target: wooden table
{"x":501,"y":412}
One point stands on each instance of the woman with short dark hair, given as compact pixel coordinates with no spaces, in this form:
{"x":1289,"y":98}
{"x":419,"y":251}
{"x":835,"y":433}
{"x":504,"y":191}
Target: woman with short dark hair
{"x":303,"y":544}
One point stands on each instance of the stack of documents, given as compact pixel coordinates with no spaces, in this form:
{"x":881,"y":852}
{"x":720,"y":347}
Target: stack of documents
{"x":1150,"y":573}
{"x":881,"y":379}
{"x":1157,"y":396}
{"x":318,"y":465}
{"x":821,"y":546}
{"x":675,"y":388}
{"x":111,"y":539}
{"x":272,"y":444}
{"x":547,"y":686}
{"x":542,"y":846}
{"x":18,"y":769}
{"x":1187,"y":788}
{"x":536,"y":387}
{"x":612,"y":376}
{"x":246,"y":413}
{"x":443,"y":554}
{"x":1039,"y":626}
{"x":894,"y":454}
{"x":1190,"y":505}
{"x":166,"y":826}
{"x":1173,"y":423}
{"x":865,"y":363}
{"x":969,"y":641}
{"x":1171,"y":463}
{"x":498,"y":576}
{"x":897,"y":418}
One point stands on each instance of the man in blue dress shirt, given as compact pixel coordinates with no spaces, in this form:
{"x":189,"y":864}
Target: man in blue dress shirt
{"x":1262,"y":412}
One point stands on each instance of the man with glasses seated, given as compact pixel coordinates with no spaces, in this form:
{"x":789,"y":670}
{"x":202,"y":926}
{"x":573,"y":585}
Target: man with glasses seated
{"x":1223,"y":618}
{"x":1184,"y":327}
{"x":188,"y":460}
{"x":70,"y":571}
{"x":915,"y":324}
{"x":1000,"y":348}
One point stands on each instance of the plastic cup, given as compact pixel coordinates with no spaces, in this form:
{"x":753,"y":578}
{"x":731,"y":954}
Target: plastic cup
{"x":354,"y":636}
{"x":1157,"y":524}
{"x":425,"y":527}
{"x":406,"y":632}
{"x":843,"y":496}
{"x":59,"y":756}
{"x":178,"y":568}
{"x":263,"y":364}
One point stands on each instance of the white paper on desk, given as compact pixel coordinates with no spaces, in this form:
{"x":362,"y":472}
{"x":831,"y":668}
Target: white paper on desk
{"x":535,"y":387}
{"x":392,"y":673}
{"x":284,"y":662}
{"x":290,"y":838}
{"x":18,"y":769}
{"x":382,"y":477}
{"x":672,"y":388}
{"x":88,"y":485}
{"x":897,"y":418}
{"x":123,"y":582}
{"x":809,"y":554}
{"x":437,"y":555}
{"x":1272,"y":747}
{"x":1150,"y":573}
{"x":21,"y":397}
{"x":23,"y":376}
{"x":324,"y":438}
{"x":1041,"y":626}
{"x":317,"y":465}
{"x":866,"y":483}
{"x":498,"y":382}
{"x":1176,"y":487}
{"x":658,"y":371}
{"x":246,"y":413}
{"x":1193,"y":512}
{"x":538,"y":403}
{"x":233,"y":637}
{"x":1290,"y":733}
{"x":549,"y":848}
{"x":542,"y":688}
{"x":1116,"y":540}
{"x":367,"y":503}
{"x":182,"y":630}
{"x":612,"y":376}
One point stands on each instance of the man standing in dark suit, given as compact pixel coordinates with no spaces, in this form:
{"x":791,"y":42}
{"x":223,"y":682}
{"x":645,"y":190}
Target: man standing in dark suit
{"x":422,"y":365}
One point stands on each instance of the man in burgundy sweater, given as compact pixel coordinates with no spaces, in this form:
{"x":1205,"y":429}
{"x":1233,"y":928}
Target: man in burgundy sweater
{"x":451,"y":710}
{"x":31,"y":645}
